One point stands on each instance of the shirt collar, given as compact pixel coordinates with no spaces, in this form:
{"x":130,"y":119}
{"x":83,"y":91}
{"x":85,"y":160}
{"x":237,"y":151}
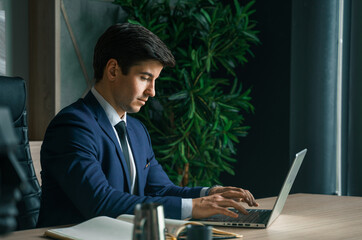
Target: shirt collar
{"x":111,"y":113}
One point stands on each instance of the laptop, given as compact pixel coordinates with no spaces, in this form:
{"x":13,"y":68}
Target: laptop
{"x":260,"y":218}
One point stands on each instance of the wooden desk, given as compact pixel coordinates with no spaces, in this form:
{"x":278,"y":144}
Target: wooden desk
{"x":305,"y":216}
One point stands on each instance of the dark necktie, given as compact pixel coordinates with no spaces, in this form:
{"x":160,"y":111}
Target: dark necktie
{"x":122,"y":134}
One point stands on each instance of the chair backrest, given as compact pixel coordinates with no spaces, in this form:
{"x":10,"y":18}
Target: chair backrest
{"x":13,"y":95}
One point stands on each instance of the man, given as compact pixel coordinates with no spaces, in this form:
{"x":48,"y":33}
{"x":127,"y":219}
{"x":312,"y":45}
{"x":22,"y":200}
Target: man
{"x":97,"y":160}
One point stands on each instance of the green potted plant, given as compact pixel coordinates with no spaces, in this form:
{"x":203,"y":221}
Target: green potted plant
{"x":197,"y":116}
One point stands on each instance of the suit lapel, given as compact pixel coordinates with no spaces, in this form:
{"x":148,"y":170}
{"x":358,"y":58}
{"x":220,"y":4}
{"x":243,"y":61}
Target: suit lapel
{"x":106,"y":126}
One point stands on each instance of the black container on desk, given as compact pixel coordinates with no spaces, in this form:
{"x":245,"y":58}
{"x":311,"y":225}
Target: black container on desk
{"x":198,"y":232}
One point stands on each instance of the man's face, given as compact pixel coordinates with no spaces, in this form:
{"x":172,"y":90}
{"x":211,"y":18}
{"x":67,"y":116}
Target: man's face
{"x":130,"y":92}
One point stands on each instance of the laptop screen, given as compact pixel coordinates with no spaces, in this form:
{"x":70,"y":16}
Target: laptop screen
{"x":288,"y":183}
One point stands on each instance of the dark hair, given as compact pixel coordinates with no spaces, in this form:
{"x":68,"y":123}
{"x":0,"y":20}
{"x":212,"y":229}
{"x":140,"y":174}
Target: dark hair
{"x":129,"y":44}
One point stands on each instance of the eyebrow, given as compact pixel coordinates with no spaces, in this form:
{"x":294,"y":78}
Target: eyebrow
{"x":147,"y":73}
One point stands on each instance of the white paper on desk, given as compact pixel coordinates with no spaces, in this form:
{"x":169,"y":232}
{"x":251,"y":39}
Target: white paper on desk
{"x":98,"y":228}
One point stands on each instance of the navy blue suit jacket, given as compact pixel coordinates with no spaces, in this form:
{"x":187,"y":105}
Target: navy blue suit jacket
{"x":83,"y":169}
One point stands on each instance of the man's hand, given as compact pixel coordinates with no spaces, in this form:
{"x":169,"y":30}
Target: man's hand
{"x":238,"y":194}
{"x":220,"y":199}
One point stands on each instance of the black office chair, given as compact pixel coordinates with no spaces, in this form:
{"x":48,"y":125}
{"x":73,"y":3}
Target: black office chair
{"x":12,"y":177}
{"x":13,"y":95}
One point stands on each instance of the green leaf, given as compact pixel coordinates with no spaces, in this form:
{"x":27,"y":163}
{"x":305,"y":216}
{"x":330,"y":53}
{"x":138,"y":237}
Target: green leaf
{"x":228,"y":107}
{"x":192,"y":148}
{"x":181,"y":148}
{"x":226,"y":140}
{"x":247,"y":6}
{"x":233,"y":137}
{"x":236,"y":82}
{"x":237,"y":7}
{"x":175,"y":142}
{"x":202,"y":109}
{"x":206,"y":15}
{"x":193,"y":54}
{"x":228,"y":126}
{"x":252,"y":36}
{"x":229,"y":170}
{"x":134,"y":22}
{"x":229,"y":159}
{"x":208,"y":64}
{"x":192,"y":107}
{"x":177,"y":96}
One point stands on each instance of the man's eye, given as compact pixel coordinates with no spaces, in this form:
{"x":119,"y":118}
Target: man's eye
{"x":144,"y":78}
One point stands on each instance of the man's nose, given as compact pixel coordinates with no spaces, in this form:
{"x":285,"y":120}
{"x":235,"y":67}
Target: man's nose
{"x":150,"y":91}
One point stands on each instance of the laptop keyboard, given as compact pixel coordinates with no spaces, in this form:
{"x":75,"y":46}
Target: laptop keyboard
{"x":254,"y":216}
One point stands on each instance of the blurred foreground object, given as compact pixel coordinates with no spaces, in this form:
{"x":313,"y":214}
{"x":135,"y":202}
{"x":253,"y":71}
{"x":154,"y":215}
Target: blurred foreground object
{"x":12,"y":178}
{"x":13,"y":95}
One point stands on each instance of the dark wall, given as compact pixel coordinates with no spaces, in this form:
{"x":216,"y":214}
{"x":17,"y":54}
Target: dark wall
{"x":263,"y":156}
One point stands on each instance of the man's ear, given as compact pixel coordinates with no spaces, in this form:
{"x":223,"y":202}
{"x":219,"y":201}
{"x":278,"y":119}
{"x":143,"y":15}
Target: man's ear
{"x":110,"y":69}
